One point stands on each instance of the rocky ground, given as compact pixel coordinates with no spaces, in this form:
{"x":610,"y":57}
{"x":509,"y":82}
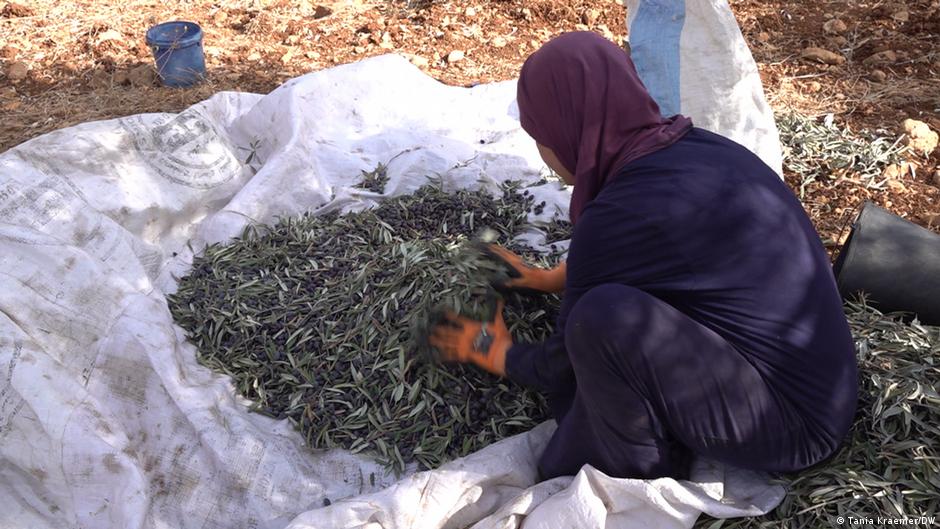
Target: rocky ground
{"x":872,"y":65}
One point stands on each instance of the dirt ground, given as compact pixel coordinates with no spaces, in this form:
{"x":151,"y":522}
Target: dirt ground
{"x":64,"y":62}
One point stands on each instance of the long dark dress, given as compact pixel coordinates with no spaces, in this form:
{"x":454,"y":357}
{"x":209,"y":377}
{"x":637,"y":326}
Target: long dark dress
{"x":700,"y":316}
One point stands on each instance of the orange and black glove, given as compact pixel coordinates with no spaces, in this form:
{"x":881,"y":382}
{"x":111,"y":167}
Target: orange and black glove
{"x":523,"y":278}
{"x":484,"y":343}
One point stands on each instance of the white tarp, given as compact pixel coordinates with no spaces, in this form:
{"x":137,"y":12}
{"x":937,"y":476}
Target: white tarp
{"x":106,"y":419}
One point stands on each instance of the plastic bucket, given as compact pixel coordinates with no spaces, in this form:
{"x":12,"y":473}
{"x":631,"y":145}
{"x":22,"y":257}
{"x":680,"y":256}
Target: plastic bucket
{"x":894,"y":261}
{"x":177,"y":50}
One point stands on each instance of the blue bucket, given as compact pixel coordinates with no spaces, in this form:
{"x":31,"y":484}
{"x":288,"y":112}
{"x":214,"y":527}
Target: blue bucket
{"x":177,"y":49}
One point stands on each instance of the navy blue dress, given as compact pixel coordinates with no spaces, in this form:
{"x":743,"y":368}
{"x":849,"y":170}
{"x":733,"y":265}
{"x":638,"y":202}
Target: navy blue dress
{"x":700,"y":316}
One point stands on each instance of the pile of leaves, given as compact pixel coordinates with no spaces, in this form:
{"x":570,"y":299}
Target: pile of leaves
{"x":321,"y":320}
{"x":817,"y":150}
{"x":889,"y":465}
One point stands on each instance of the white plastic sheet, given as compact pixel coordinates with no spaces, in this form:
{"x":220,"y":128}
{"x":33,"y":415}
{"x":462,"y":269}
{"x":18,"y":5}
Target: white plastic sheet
{"x":106,"y":419}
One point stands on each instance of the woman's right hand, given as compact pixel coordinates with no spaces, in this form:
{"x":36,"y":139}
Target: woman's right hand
{"x":524,"y":278}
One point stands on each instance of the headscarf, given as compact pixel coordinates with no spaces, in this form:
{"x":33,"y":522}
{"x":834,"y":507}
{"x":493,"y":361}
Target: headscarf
{"x":580,"y":96}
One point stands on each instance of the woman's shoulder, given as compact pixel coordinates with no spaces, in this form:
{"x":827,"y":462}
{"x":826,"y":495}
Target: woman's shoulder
{"x":698,"y":167}
{"x":698,"y":148}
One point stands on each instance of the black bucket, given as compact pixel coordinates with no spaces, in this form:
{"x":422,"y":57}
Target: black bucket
{"x":894,"y":261}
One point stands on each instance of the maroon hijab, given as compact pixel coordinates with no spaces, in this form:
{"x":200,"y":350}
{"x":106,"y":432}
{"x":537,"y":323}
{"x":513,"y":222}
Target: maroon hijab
{"x":580,"y":96}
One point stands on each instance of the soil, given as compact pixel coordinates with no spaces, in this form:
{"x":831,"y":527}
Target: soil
{"x":64,"y":62}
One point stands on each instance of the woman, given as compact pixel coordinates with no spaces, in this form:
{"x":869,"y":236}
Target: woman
{"x":699,"y":316}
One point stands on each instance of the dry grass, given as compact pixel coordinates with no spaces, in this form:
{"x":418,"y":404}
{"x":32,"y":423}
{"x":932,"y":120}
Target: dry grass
{"x":78,"y":64}
{"x":79,"y":52}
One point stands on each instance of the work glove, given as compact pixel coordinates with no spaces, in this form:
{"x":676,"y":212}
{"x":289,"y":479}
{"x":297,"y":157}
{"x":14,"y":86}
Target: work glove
{"x":523,"y":278}
{"x":461,"y":339}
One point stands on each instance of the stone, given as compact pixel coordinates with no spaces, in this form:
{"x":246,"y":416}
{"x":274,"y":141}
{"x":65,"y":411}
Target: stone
{"x":589,"y":17}
{"x":455,"y":56}
{"x":17,"y":71}
{"x":897,"y":185}
{"x":470,"y":12}
{"x":839,"y":41}
{"x":142,"y":75}
{"x":902,"y":15}
{"x":322,"y":12}
{"x":835,"y":26}
{"x":892,"y":172}
{"x":419,"y":61}
{"x":920,"y":138}
{"x":814,"y":86}
{"x":219,"y":17}
{"x":763,"y":36}
{"x":109,"y":35}
{"x":498,"y":42}
{"x":878,"y":76}
{"x":822,"y":56}
{"x":936,"y":178}
{"x":886,"y":56}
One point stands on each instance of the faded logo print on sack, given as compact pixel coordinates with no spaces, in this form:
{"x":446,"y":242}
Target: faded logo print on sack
{"x":186,"y":149}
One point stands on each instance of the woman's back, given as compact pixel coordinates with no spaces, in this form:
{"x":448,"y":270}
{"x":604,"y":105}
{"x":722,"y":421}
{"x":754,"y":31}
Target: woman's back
{"x":707,"y":227}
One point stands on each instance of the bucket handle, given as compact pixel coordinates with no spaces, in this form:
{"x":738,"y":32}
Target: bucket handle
{"x":853,"y":218}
